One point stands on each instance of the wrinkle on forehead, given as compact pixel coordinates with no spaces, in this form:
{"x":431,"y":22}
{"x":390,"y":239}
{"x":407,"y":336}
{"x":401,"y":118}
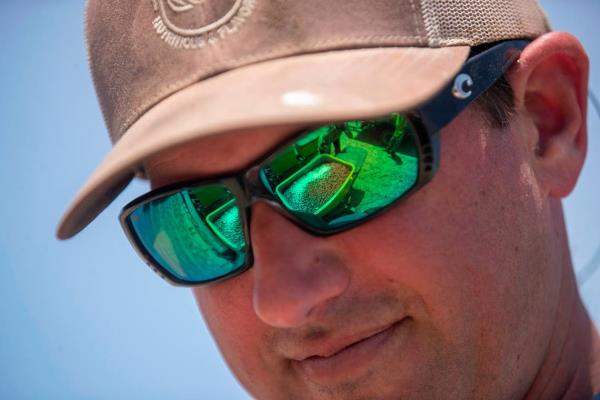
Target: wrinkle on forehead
{"x":213,"y":155}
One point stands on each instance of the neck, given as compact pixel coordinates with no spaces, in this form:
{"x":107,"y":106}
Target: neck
{"x":571,"y":368}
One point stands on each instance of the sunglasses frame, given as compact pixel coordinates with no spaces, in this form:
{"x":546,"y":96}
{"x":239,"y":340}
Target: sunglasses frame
{"x":482,"y":69}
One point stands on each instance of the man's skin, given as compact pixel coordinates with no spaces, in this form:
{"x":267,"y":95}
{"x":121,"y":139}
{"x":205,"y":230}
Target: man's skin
{"x":469,"y":280}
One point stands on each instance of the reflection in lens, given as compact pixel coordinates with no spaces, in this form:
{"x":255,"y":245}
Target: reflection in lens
{"x":195,"y":234}
{"x":317,"y":186}
{"x":225,"y":222}
{"x":339,"y":174}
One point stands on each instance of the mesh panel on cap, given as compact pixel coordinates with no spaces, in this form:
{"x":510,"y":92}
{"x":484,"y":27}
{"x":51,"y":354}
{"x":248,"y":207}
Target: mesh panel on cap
{"x":475,"y":22}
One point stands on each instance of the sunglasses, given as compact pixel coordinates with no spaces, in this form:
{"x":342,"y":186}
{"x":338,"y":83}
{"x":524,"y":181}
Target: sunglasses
{"x":326,"y":179}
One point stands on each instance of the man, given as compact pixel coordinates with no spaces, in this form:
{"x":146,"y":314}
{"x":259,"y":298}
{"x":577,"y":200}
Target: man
{"x":365,"y":196}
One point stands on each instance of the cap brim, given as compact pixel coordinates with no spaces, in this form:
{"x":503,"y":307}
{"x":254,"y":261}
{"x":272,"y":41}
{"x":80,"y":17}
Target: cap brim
{"x":305,"y":89}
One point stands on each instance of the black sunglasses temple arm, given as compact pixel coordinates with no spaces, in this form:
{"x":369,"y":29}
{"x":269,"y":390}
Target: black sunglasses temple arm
{"x":478,"y":74}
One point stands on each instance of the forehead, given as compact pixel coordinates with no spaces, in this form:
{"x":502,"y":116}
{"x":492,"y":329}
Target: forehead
{"x":216,"y":154}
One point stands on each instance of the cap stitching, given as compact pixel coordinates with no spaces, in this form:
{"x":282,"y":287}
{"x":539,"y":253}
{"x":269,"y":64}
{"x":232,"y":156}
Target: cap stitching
{"x":180,"y":84}
{"x":430,"y":22}
{"x":468,"y":41}
{"x":416,"y":20}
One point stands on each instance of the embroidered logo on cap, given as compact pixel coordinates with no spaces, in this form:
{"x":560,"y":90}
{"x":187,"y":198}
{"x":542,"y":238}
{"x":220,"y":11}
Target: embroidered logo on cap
{"x":194,"y":24}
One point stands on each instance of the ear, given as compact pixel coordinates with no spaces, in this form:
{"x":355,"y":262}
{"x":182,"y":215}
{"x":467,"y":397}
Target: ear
{"x":550,"y":83}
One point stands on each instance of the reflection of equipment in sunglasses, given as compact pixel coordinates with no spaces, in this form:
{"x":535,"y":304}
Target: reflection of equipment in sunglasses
{"x":394,"y":139}
{"x":225,"y":222}
{"x":318,"y":187}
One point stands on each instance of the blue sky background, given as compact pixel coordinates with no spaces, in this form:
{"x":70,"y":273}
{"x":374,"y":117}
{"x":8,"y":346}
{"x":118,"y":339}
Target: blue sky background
{"x":85,"y":319}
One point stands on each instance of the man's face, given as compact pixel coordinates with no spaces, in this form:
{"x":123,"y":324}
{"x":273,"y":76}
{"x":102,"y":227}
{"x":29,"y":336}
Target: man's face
{"x":449,"y":294}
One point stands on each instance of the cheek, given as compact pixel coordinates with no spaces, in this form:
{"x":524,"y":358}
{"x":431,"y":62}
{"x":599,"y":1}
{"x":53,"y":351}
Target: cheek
{"x":473,"y":245}
{"x":227,"y":310}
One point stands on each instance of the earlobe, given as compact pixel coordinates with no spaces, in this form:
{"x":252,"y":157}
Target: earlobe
{"x":550,"y":86}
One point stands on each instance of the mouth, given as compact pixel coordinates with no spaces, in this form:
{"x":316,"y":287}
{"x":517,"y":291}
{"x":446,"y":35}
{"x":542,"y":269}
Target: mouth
{"x":351,"y":358}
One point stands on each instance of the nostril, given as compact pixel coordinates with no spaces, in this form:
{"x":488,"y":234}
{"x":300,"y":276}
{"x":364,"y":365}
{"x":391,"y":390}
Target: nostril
{"x":275,"y":312}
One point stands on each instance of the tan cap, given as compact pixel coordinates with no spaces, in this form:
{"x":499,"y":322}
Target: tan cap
{"x":169,"y":71}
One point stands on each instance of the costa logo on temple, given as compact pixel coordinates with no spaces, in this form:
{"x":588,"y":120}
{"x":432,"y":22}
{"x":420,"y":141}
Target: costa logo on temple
{"x":193,"y":24}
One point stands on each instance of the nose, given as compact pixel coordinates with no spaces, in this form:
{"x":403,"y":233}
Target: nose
{"x":295,"y":273}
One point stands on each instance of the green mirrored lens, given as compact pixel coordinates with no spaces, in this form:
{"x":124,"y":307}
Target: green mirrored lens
{"x":339,"y":174}
{"x":195,"y":234}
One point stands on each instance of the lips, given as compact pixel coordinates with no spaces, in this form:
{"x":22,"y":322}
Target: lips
{"x":343,"y":358}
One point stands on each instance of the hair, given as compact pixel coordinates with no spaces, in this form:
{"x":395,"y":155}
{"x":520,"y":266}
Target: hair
{"x":497,"y":104}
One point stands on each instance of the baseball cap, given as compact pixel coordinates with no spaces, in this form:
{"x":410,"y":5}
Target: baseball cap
{"x":167,"y":72}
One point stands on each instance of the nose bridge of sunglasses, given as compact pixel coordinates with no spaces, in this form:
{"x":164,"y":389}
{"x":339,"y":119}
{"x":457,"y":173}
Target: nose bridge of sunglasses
{"x":253,"y":186}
